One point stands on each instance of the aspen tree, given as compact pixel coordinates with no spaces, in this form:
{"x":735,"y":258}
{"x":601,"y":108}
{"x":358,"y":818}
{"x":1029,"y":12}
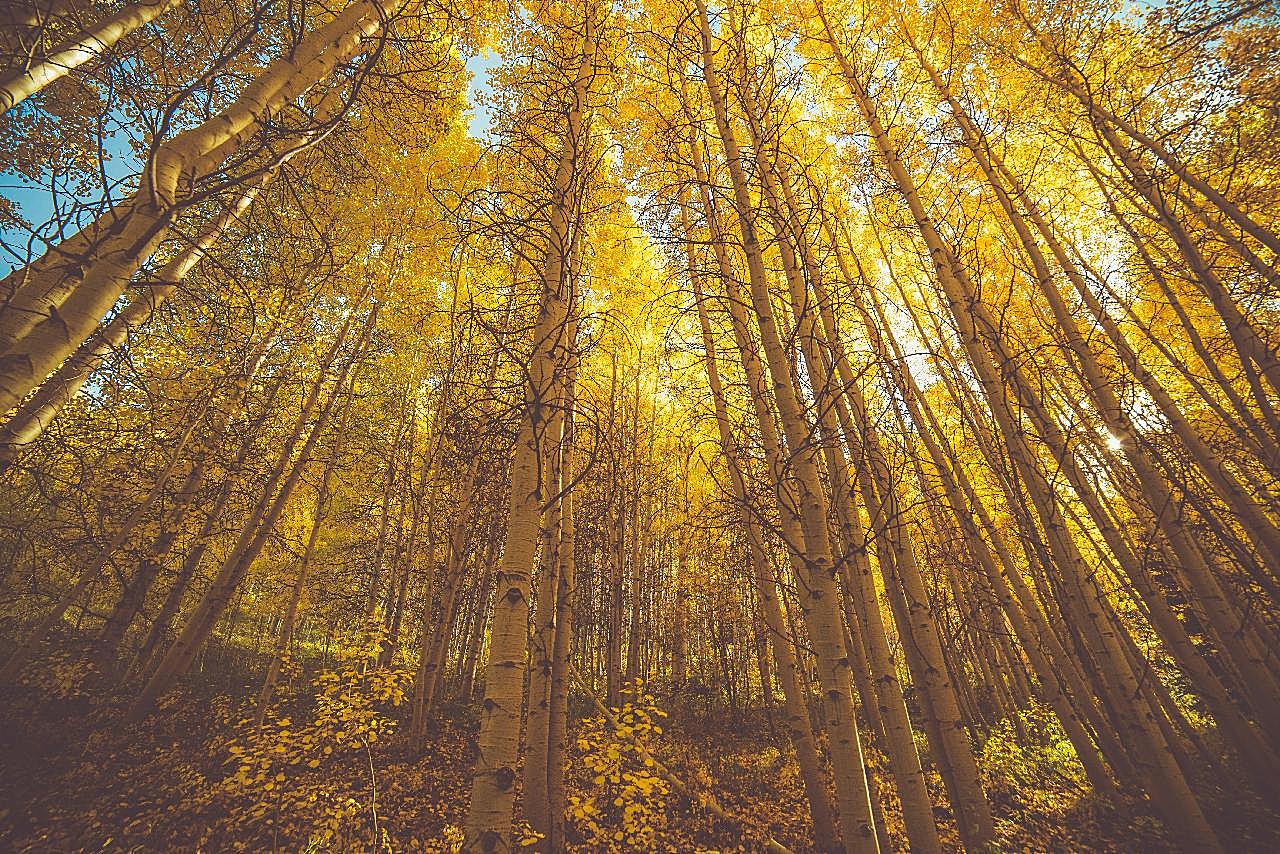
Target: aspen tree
{"x":791,"y":528}
{"x":263,"y":517}
{"x":36,"y":413}
{"x":537,"y":726}
{"x":1068,"y":77}
{"x":290,"y":616}
{"x":132,"y":599}
{"x":55,"y":302}
{"x":917,"y":808}
{"x":18,"y":84}
{"x":880,"y":403}
{"x":1259,"y":436}
{"x":191,"y":561}
{"x":1117,"y":420}
{"x":1060,"y":605}
{"x":1011,"y":591}
{"x":435,"y":636}
{"x":488,"y":825}
{"x":562,"y":643}
{"x":92,"y":572}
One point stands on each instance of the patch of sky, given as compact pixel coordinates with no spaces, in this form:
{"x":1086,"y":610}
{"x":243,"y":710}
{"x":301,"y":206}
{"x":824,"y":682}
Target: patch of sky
{"x":480,"y":66}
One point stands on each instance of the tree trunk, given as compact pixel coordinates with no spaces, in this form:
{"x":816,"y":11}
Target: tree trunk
{"x":493,"y":785}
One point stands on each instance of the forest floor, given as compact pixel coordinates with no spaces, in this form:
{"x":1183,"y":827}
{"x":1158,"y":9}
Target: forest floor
{"x":74,"y":778}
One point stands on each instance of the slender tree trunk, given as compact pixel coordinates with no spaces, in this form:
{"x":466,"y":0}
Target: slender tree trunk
{"x":290,"y":617}
{"x":820,"y":597}
{"x":54,"y":304}
{"x":796,"y":711}
{"x":562,"y":644}
{"x":485,"y":592}
{"x":21,"y":83}
{"x":94,"y":569}
{"x":31,"y":419}
{"x":1150,"y":753}
{"x":537,"y":727}
{"x":917,"y":807}
{"x":436,"y":634}
{"x":488,"y":824}
{"x":135,"y":592}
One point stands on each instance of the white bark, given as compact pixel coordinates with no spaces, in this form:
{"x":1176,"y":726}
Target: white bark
{"x":31,"y":419}
{"x":19,"y":84}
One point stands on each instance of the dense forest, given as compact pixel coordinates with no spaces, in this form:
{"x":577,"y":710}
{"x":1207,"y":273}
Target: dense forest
{"x":579,"y":425}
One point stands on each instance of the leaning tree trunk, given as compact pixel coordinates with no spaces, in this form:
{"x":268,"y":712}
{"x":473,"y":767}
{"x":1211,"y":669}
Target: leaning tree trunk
{"x":19,"y":84}
{"x":796,"y":710}
{"x":1152,"y":757}
{"x":90,"y":574}
{"x":35,"y":415}
{"x":288,"y":620}
{"x":177,"y":661}
{"x":54,"y":304}
{"x":134,"y":595}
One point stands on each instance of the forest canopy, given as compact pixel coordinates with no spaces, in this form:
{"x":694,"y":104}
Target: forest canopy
{"x":801,"y":425}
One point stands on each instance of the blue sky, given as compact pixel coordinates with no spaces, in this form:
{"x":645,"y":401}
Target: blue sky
{"x":480,"y":65}
{"x":38,"y":202}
